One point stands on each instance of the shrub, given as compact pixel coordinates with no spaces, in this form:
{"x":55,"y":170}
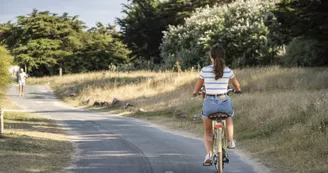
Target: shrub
{"x":5,"y":61}
{"x":240,"y":27}
{"x":304,"y":52}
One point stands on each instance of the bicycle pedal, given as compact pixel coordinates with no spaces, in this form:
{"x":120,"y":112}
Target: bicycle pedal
{"x":207,"y":164}
{"x":226,"y":160}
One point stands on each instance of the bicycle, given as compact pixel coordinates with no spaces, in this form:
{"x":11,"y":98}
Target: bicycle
{"x":220,"y":141}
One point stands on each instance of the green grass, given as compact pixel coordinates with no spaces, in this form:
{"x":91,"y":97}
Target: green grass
{"x":281,"y":118}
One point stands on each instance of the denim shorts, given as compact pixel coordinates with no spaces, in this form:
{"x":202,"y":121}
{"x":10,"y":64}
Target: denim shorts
{"x":213,"y":104}
{"x":21,"y":83}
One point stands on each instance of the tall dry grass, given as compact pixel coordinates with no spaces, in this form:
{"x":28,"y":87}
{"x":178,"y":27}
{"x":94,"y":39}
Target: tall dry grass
{"x":143,"y":88}
{"x":287,"y":127}
{"x":281,"y":117}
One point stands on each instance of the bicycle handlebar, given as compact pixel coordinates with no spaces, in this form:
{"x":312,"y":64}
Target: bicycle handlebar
{"x":230,"y":91}
{"x":234,"y":91}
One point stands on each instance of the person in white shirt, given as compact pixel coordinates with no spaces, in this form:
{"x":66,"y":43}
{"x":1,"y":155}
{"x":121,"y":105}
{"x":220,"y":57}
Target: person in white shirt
{"x":21,"y":81}
{"x":216,"y":78}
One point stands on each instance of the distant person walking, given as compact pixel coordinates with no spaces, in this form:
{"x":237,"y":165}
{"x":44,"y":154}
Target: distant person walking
{"x":21,"y":81}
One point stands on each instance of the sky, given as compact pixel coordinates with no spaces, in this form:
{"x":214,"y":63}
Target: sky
{"x":89,"y":11}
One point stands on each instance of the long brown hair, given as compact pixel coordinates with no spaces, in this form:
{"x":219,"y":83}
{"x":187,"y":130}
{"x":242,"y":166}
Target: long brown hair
{"x":218,"y":55}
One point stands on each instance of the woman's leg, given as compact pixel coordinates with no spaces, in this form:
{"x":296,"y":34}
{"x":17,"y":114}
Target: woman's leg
{"x":208,"y":134}
{"x":230,"y":128}
{"x":20,"y":90}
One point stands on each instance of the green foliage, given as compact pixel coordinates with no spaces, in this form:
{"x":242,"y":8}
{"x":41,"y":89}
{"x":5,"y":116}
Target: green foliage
{"x":243,"y":28}
{"x":5,"y":62}
{"x":304,"y":52}
{"x":45,"y":50}
{"x":42,"y":39}
{"x":45,"y":42}
{"x":100,"y":50}
{"x":306,"y":19}
{"x":144,"y":22}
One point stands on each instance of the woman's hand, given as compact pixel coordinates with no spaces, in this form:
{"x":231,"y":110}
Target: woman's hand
{"x":197,"y":87}
{"x":238,"y":91}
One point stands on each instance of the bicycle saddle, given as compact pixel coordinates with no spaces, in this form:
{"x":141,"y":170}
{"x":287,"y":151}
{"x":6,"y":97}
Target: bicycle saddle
{"x":218,"y":115}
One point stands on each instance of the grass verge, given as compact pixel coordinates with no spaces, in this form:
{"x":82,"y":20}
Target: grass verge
{"x":281,"y":118}
{"x":32,"y":144}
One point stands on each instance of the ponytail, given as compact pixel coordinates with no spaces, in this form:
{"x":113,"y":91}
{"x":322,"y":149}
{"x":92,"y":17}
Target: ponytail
{"x":218,"y":68}
{"x":218,"y":55}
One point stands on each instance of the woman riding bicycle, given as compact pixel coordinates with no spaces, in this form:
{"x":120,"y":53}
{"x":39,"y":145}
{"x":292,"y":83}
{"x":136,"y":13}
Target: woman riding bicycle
{"x":216,"y":77}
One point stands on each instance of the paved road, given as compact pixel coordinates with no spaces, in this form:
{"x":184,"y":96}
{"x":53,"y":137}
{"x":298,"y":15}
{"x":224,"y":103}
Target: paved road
{"x":114,"y":144}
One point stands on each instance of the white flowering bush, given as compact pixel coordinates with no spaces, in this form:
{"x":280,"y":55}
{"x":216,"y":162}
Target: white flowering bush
{"x":240,"y":27}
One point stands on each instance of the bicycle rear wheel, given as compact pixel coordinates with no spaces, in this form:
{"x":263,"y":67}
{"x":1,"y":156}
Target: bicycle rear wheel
{"x":219,"y":166}
{"x":219,"y":154}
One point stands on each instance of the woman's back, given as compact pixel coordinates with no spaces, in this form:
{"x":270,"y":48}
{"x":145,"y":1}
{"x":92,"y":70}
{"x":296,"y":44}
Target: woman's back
{"x":212,"y":85}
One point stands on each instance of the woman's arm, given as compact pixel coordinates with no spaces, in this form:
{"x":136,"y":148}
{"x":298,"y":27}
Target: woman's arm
{"x":235,"y":84}
{"x":198,"y":85}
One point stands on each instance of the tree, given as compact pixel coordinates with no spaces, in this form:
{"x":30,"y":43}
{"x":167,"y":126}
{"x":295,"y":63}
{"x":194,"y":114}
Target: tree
{"x":100,"y":49}
{"x":306,"y":18}
{"x":305,"y":27}
{"x":142,"y":27}
{"x":42,"y":39}
{"x":45,"y":42}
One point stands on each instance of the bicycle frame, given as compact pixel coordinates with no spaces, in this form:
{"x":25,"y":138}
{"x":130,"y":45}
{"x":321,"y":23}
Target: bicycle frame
{"x":219,"y":144}
{"x":220,"y":141}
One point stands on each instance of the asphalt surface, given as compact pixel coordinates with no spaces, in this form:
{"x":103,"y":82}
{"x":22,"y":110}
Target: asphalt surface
{"x":114,"y":144}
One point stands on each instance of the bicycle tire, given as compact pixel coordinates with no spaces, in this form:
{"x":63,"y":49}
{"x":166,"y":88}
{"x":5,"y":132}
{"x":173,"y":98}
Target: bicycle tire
{"x":219,"y":165}
{"x":214,"y":148}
